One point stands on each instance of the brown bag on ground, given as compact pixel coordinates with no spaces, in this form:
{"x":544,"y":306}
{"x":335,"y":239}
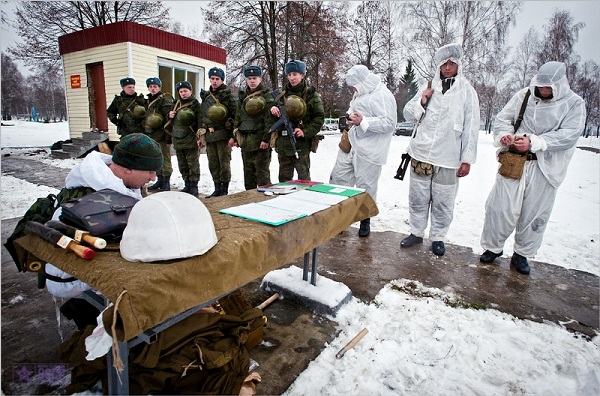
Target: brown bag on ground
{"x":344,"y":144}
{"x":511,"y":164}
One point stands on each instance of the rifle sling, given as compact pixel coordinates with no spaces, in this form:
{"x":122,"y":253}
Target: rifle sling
{"x":522,"y":111}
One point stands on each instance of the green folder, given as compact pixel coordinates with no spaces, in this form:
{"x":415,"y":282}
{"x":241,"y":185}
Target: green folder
{"x":336,"y":190}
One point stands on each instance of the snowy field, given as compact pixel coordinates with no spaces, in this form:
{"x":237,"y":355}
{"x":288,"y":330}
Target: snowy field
{"x":418,"y":345}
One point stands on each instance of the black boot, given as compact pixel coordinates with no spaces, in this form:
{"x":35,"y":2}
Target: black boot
{"x":158,"y":185}
{"x":225,"y":188}
{"x":166,"y":186}
{"x":186,"y":189}
{"x":410,"y":241}
{"x":193,"y":188}
{"x":365,"y":228}
{"x":520,"y":263}
{"x":217,"y":192}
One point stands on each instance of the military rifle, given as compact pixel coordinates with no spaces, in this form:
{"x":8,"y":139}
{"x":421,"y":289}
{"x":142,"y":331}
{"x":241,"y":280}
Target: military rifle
{"x":288,"y":129}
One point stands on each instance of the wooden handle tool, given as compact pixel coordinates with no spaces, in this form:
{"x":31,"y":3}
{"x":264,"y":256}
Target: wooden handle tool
{"x":57,"y":238}
{"x":352,"y":343}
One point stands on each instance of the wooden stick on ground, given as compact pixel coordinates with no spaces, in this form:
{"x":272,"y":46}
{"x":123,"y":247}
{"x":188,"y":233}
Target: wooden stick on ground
{"x":268,"y":301}
{"x":352,"y":343}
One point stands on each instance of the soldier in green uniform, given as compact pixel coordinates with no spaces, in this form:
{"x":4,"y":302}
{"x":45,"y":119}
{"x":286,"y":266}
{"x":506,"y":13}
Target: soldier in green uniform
{"x":218,"y":112}
{"x":158,"y":107}
{"x":304,"y":108}
{"x":183,"y":123}
{"x":127,"y":109}
{"x":251,"y":133}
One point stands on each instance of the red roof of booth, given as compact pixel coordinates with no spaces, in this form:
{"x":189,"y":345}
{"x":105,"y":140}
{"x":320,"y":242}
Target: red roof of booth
{"x":127,"y":31}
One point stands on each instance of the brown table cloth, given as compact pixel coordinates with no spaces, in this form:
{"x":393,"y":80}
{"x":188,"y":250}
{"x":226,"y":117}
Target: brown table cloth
{"x":246,"y":251}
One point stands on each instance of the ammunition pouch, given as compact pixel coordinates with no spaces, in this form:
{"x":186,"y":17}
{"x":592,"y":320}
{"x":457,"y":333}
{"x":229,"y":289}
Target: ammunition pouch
{"x":239,"y":137}
{"x":201,"y":135}
{"x":511,"y":164}
{"x":273,"y":140}
{"x":421,"y":168}
{"x":344,"y":143}
{"x":314,"y":142}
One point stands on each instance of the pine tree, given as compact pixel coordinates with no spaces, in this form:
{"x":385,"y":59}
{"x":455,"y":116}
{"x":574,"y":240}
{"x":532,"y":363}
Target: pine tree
{"x":408,"y":88}
{"x":408,"y":80}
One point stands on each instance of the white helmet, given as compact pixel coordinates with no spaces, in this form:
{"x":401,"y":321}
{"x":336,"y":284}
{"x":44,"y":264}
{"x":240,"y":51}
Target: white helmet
{"x":168,"y":225}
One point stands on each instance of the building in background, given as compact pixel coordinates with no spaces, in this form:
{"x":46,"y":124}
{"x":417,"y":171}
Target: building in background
{"x":95,"y":59}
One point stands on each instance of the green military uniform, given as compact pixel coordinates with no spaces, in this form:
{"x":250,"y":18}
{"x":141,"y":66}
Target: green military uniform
{"x":120,"y":113}
{"x":185,"y":141}
{"x":218,"y":133}
{"x":251,"y":132}
{"x":310,"y":124}
{"x":160,"y":104}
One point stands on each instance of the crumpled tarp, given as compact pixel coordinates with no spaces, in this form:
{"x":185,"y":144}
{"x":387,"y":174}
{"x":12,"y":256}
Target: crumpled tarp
{"x":246,"y":251}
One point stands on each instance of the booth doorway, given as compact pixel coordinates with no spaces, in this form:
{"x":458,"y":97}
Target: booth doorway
{"x":97,"y":96}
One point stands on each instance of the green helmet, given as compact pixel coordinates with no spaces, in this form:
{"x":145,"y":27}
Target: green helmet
{"x":186,"y":116}
{"x":217,"y":112}
{"x":139,"y":112}
{"x":154,"y":120}
{"x":255,"y":106}
{"x":295,"y":107}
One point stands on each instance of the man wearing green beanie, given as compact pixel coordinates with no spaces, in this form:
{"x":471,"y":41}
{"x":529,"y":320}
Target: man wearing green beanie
{"x":135,"y":161}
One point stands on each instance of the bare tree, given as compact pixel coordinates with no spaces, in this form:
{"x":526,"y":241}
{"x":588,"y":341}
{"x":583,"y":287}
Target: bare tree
{"x":586,"y":83}
{"x":368,"y":43}
{"x":12,"y":86}
{"x":270,"y":33}
{"x":40,"y":23}
{"x":489,"y":87}
{"x":523,"y":66}
{"x":559,"y":39}
{"x":481,"y":28}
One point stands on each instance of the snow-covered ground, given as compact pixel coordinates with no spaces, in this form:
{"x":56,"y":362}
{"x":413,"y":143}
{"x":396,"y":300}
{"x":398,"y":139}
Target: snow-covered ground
{"x":416,"y":343}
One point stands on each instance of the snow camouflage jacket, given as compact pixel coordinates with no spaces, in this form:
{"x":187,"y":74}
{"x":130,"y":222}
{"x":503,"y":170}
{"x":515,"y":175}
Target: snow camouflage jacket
{"x":254,"y":129}
{"x":553,"y":125}
{"x":371,"y":139}
{"x":448,"y":134}
{"x":120,"y":113}
{"x":311,"y":123}
{"x":92,"y":172}
{"x":160,"y":104}
{"x":222,"y":130}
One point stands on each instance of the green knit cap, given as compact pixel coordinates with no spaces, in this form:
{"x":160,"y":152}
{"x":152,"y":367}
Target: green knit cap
{"x":139,"y":152}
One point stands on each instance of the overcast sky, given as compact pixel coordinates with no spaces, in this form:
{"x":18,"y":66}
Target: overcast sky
{"x":535,"y":13}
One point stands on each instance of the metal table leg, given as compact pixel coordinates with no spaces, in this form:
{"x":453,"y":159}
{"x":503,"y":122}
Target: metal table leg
{"x":313,"y":275}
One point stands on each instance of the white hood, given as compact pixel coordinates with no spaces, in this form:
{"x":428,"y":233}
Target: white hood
{"x":449,"y":132}
{"x":371,"y":139}
{"x":553,"y":125}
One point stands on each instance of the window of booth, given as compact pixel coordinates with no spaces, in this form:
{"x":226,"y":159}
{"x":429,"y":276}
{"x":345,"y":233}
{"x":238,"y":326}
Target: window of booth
{"x":171,"y":72}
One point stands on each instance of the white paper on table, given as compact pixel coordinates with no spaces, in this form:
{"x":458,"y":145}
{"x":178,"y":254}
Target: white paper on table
{"x":263,"y":213}
{"x":318,"y":197}
{"x":289,"y":202}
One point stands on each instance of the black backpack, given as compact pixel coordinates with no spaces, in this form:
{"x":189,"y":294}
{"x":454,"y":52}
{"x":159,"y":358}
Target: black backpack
{"x":41,"y":211}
